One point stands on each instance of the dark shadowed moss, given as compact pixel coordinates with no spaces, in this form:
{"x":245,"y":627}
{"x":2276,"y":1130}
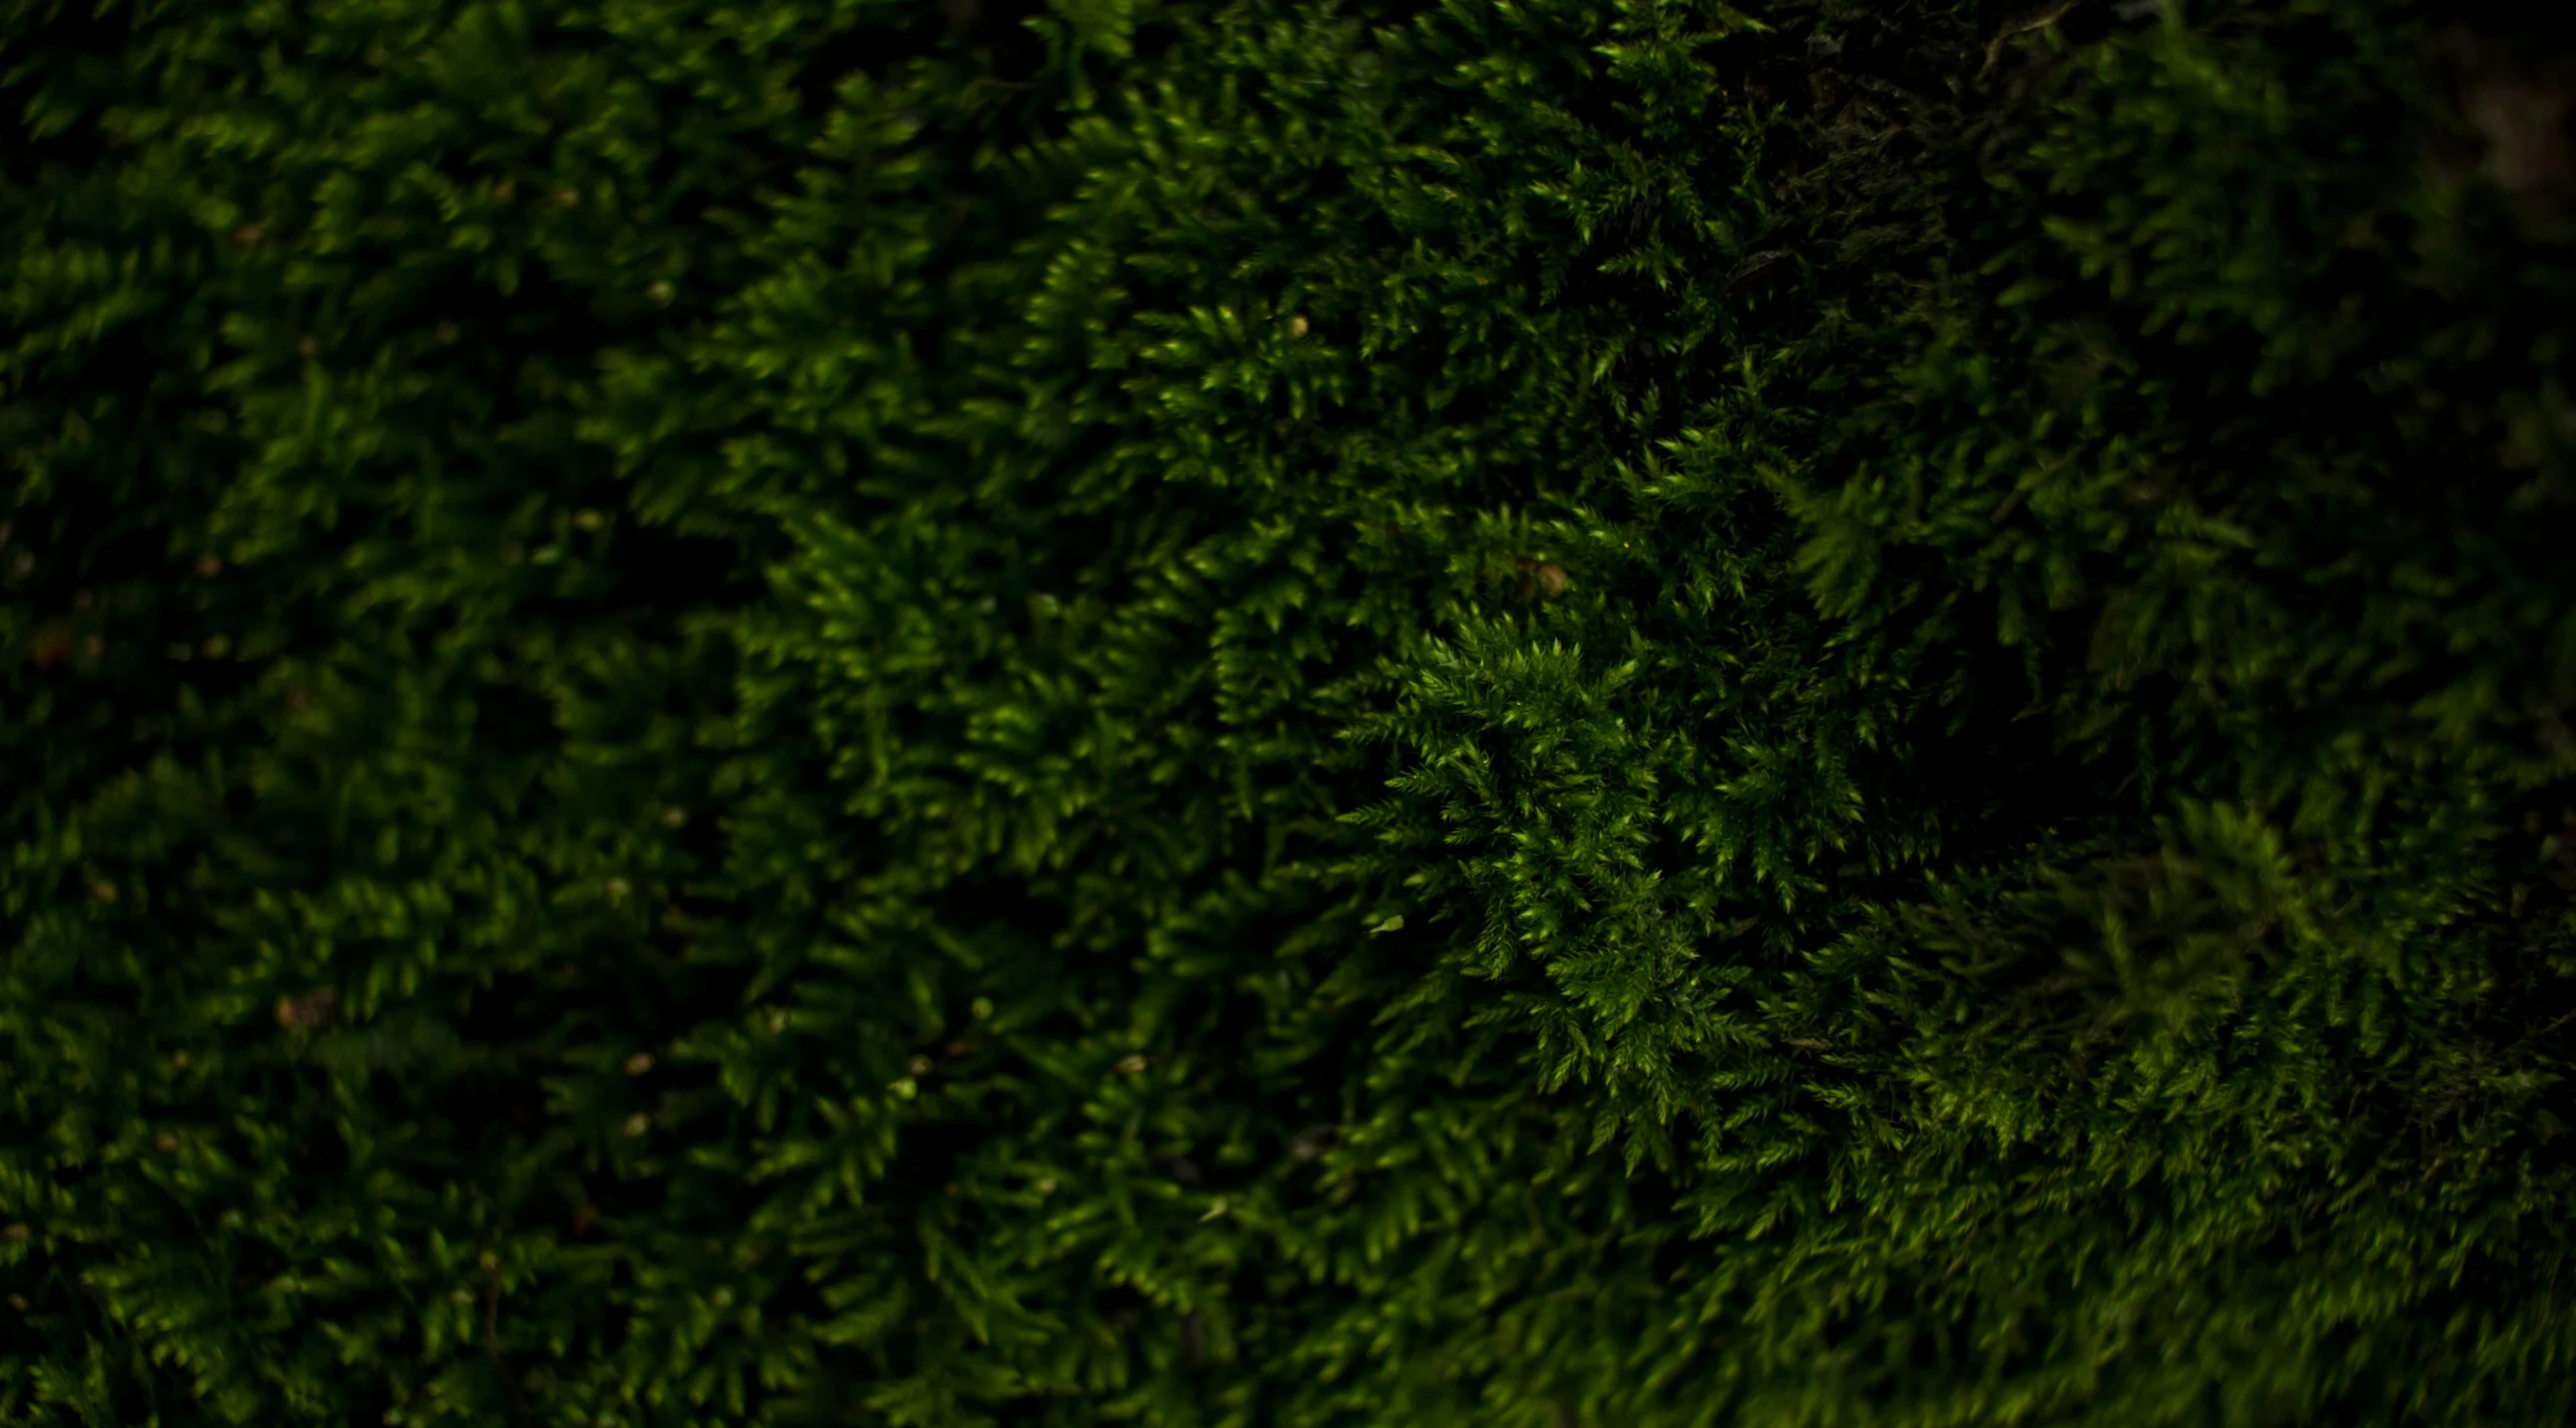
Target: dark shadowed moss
{"x":1286,"y":714}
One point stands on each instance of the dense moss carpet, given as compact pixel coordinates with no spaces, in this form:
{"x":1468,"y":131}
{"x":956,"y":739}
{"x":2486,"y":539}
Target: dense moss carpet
{"x":1286,"y":713}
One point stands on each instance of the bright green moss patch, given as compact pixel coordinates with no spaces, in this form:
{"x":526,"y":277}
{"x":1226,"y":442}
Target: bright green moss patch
{"x":1284,"y":714}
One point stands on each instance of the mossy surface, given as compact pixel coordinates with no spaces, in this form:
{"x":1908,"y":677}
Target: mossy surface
{"x":1285,"y":714}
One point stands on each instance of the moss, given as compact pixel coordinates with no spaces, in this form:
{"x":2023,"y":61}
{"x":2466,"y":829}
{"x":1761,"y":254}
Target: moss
{"x":1285,"y":714}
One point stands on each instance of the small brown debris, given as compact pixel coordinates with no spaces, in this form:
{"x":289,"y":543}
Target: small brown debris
{"x":249,"y":235}
{"x":307,"y":348}
{"x":2518,"y":106}
{"x":1129,"y":1065}
{"x":165,"y":1142}
{"x":103,"y":891}
{"x":53,"y":646}
{"x":298,"y":700}
{"x":1756,"y":268}
{"x":661,"y":294}
{"x":1543,"y":574}
{"x":16,"y":1232}
{"x":919,"y":1066}
{"x":639,"y":1063}
{"x":2039,"y":19}
{"x":674,"y":817}
{"x":1312,"y":1142}
{"x":314,"y":1009}
{"x":209,"y":566}
{"x":505,"y":190}
{"x":567,"y":198}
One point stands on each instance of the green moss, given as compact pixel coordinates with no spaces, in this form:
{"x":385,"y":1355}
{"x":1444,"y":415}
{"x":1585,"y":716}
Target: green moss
{"x":1284,"y":715}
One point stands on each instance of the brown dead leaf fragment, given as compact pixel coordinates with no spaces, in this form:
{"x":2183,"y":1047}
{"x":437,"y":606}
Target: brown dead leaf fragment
{"x":1546,"y":574}
{"x":309,"y":1011}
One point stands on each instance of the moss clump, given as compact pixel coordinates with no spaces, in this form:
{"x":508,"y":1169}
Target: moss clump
{"x":1285,"y":714}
